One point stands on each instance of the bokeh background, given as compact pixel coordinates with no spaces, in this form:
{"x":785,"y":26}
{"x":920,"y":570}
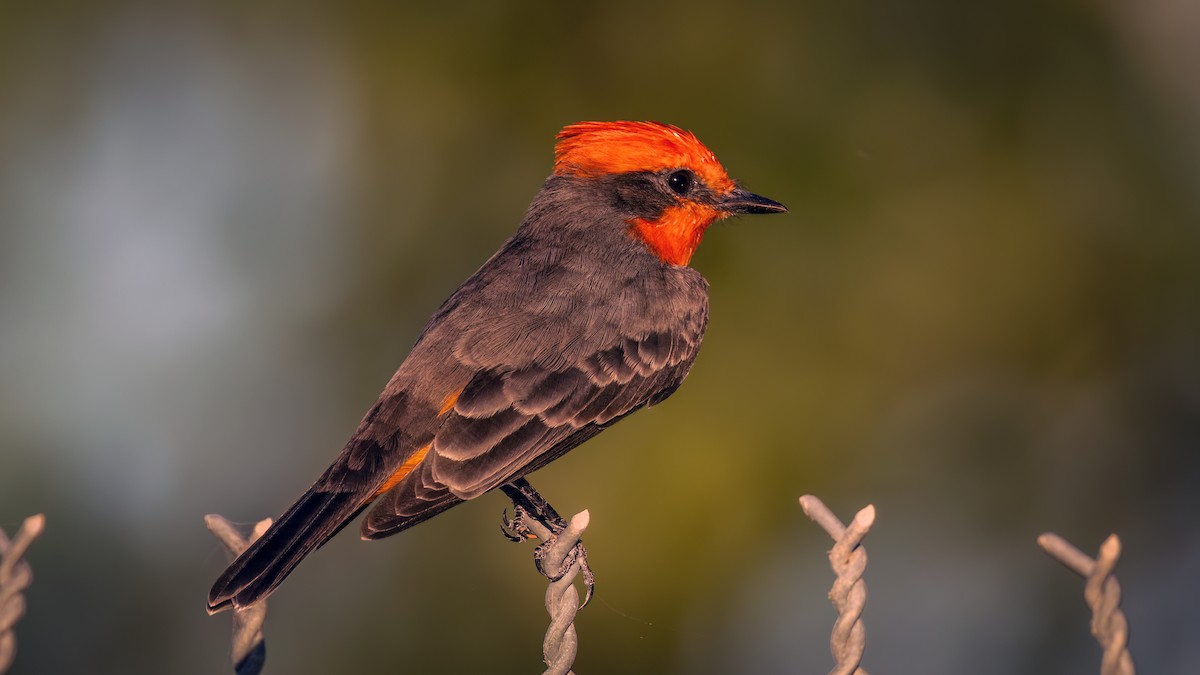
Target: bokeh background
{"x":223,"y":224}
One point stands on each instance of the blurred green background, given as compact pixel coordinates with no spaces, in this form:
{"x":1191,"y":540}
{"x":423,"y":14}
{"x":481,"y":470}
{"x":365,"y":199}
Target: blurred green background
{"x":223,"y":224}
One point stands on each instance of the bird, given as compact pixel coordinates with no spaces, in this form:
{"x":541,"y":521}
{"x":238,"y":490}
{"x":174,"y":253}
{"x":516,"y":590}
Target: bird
{"x":588,"y":313}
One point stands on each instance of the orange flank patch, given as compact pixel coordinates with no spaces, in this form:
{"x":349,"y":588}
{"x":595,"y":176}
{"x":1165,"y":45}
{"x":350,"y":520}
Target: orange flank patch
{"x":675,"y":235}
{"x":448,"y":404}
{"x":405,"y":469}
{"x":605,"y":148}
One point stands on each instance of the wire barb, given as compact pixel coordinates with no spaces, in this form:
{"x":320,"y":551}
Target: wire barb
{"x":848,"y":559}
{"x":249,"y":649}
{"x":15,"y":577}
{"x":561,"y":643}
{"x":1103,"y":596}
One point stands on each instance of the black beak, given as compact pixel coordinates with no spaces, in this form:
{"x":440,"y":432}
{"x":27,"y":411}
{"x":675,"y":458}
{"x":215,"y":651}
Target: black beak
{"x":743,"y":201}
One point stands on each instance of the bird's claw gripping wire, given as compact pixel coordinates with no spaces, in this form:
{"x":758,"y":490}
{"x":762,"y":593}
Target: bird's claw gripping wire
{"x":576,"y":556}
{"x":529,"y":506}
{"x":514,"y":529}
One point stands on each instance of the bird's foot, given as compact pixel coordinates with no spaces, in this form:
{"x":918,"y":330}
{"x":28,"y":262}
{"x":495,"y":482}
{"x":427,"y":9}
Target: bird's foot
{"x":529,"y":506}
{"x":515,"y":529}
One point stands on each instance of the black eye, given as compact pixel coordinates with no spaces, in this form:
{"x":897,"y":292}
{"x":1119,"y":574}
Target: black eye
{"x":681,"y":181}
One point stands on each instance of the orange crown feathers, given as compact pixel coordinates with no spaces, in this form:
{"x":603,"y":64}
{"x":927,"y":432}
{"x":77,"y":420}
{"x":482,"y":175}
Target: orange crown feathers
{"x":601,"y":148}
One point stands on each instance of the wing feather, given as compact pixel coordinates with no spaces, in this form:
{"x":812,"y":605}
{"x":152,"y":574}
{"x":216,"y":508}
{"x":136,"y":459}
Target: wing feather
{"x":511,"y":420}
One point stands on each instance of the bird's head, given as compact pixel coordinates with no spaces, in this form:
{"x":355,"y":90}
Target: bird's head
{"x":674,"y":185}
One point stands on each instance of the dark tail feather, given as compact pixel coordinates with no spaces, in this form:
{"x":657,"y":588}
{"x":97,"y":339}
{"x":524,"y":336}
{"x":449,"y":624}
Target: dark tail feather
{"x":308,"y":524}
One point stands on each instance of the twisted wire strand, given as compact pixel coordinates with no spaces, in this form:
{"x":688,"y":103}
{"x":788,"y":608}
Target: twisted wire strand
{"x":848,"y":559}
{"x":1102,"y":593}
{"x":15,"y":577}
{"x":249,"y":650}
{"x":561,"y":643}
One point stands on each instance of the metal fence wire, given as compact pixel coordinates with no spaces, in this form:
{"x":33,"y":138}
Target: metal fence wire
{"x":560,"y":645}
{"x":848,"y":559}
{"x":849,"y":594}
{"x":249,"y":651}
{"x":15,"y":577}
{"x":1102,"y":594}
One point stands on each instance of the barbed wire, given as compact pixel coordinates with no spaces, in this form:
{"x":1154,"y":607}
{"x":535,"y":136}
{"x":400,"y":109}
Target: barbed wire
{"x":1103,"y":595}
{"x":848,"y":559}
{"x":561,"y":643}
{"x":249,"y":649}
{"x":15,"y":577}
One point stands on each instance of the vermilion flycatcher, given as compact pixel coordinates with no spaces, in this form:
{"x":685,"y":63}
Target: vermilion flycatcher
{"x":588,"y":313}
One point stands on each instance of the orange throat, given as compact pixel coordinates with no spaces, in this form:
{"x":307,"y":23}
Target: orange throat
{"x":674,"y":236}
